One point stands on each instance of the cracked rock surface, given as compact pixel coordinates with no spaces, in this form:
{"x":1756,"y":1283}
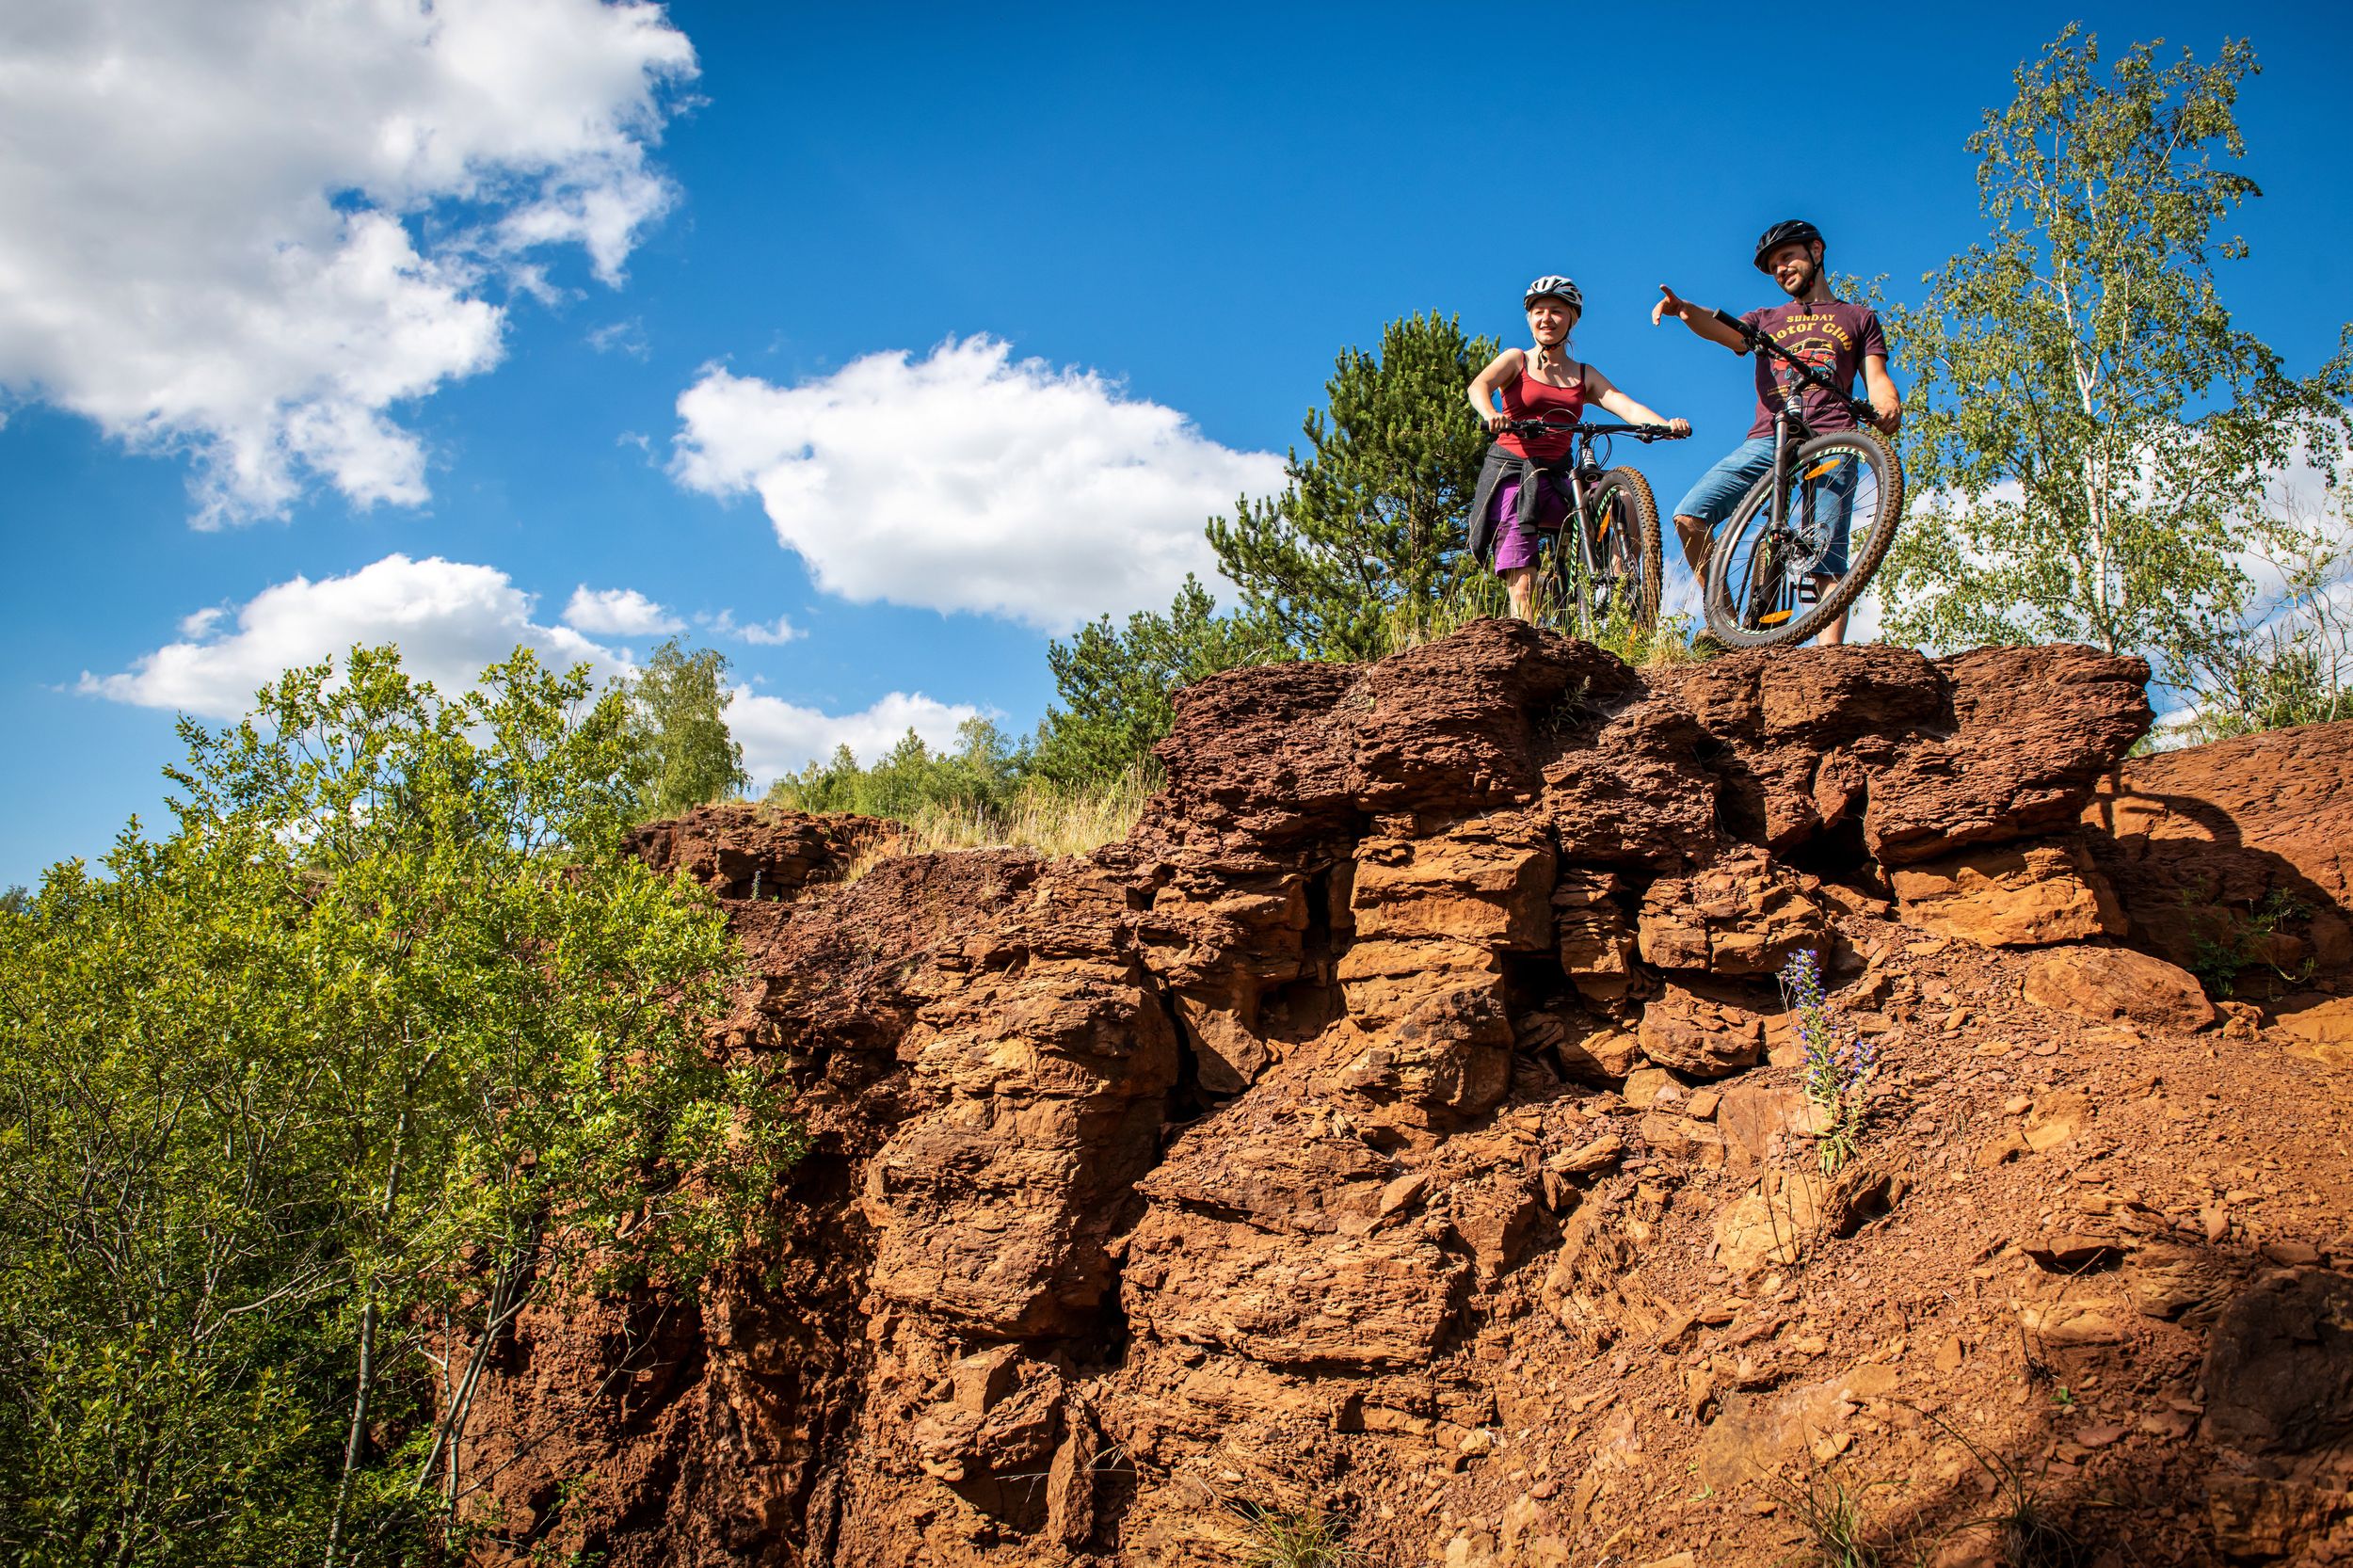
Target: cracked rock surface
{"x":1404,"y":1120}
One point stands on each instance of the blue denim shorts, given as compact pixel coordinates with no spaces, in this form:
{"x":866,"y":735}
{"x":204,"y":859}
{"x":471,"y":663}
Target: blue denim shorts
{"x":1719,"y":490}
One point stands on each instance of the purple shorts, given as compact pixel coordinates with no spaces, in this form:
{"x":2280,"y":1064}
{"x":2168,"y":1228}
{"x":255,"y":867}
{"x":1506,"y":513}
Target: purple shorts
{"x":1515,"y":547}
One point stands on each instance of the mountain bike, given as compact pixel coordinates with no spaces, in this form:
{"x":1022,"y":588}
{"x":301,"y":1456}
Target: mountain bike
{"x":1805,"y":541}
{"x":1607,"y":566}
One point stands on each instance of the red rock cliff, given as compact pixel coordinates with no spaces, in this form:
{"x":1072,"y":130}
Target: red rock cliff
{"x":1404,"y":1123}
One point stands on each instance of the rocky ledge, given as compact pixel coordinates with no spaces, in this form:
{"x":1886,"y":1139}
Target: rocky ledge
{"x":1405,"y":1122}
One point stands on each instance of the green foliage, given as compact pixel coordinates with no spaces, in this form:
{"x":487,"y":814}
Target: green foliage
{"x":2090,"y":433}
{"x":982,"y":775}
{"x":1372,"y":520}
{"x":1117,"y":688}
{"x":683,"y":754}
{"x":2290,"y":660}
{"x":2225,"y":944}
{"x":310,"y":1099}
{"x":986,"y":793}
{"x":2025,"y":1532}
{"x":1827,"y":1505}
{"x":1292,"y":1538}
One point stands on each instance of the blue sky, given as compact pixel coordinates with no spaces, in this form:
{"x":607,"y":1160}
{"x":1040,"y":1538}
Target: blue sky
{"x":419,"y":328}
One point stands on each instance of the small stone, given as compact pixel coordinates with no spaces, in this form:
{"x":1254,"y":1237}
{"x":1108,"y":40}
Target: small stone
{"x":1478,"y":1442}
{"x":1598,"y":1155}
{"x":2292,"y":1255}
{"x":1400,"y":1194}
{"x":2216,"y":1221}
{"x":1703,"y":1105}
{"x":2067,"y":1252}
{"x":2107,"y":984}
{"x":2007,"y":1147}
{"x":2017,"y":1105}
{"x":1950,"y":1355}
{"x":2097,"y":1436}
{"x":2069,"y":1324}
{"x":1643,"y":1086}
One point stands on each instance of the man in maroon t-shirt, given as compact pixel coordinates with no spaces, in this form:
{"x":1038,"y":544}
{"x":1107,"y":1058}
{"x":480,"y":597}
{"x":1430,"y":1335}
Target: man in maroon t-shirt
{"x":1835,"y":336}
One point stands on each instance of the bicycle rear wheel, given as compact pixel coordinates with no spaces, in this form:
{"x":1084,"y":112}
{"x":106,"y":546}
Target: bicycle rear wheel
{"x":1766,"y":585}
{"x":1624,"y":515}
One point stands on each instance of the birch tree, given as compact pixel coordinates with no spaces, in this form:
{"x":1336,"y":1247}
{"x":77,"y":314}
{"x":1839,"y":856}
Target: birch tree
{"x":2092,"y":436}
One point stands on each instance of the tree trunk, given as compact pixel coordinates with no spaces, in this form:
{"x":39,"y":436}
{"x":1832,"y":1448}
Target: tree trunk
{"x":368,"y":1318}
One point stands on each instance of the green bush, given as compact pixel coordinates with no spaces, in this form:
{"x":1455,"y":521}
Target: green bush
{"x":311,"y":1098}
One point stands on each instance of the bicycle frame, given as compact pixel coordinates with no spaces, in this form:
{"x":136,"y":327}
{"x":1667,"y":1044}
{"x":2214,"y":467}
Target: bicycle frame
{"x":1789,"y":424}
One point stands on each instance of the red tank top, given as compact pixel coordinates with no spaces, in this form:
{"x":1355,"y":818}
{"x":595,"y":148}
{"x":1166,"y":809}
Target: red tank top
{"x":1529,"y":398}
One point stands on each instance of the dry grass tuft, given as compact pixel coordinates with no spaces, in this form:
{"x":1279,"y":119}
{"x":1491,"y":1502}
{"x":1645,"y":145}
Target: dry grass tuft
{"x":1041,"y":818}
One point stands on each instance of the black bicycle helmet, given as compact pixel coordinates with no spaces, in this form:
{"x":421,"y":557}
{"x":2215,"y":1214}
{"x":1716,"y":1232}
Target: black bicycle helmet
{"x":1795,"y":230}
{"x":1559,"y":287}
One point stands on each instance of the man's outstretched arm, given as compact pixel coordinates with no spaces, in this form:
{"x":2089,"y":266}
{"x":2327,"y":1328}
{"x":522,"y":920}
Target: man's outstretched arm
{"x":1699,"y":319}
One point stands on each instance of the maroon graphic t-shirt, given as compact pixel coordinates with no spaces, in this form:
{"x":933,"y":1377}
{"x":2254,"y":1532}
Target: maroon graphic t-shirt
{"x":1834,"y":336}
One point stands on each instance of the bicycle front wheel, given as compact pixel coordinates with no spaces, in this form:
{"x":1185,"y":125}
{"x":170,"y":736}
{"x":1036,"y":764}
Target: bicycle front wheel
{"x":1624,"y":517}
{"x":1772,"y":582}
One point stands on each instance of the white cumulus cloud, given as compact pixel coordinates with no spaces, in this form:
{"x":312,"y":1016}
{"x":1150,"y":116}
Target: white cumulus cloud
{"x":450,"y":619}
{"x":254,"y":229}
{"x":970,"y":480}
{"x":618,"y":613}
{"x":780,"y":736}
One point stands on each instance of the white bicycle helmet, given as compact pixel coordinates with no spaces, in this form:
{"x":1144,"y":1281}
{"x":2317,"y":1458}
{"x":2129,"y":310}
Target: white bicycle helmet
{"x":1556,"y":286}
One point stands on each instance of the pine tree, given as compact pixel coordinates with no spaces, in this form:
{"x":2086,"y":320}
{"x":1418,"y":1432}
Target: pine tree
{"x":1117,"y":687}
{"x":1371,"y":527}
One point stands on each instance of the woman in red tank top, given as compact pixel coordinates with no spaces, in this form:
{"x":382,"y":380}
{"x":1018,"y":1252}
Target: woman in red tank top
{"x":1520,"y":487}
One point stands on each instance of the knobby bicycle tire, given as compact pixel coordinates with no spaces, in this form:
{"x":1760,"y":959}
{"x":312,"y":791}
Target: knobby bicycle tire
{"x":1865,"y":553}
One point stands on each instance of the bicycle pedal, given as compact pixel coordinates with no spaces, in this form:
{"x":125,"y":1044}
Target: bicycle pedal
{"x":1809,"y":593}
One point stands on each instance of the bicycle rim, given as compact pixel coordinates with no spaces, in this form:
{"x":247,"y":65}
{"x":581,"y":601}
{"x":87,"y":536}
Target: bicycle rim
{"x":1771,"y":583}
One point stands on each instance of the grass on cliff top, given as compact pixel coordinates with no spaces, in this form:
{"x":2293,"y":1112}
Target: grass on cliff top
{"x":1481,"y":597}
{"x":1038,"y":817}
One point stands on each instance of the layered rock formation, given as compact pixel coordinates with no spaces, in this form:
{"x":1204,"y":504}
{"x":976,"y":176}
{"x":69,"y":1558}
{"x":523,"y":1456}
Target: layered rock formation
{"x":1404,"y":1123}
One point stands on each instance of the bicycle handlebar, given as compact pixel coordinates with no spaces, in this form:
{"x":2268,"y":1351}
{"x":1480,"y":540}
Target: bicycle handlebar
{"x":1756,"y":340}
{"x":1549,"y":427}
